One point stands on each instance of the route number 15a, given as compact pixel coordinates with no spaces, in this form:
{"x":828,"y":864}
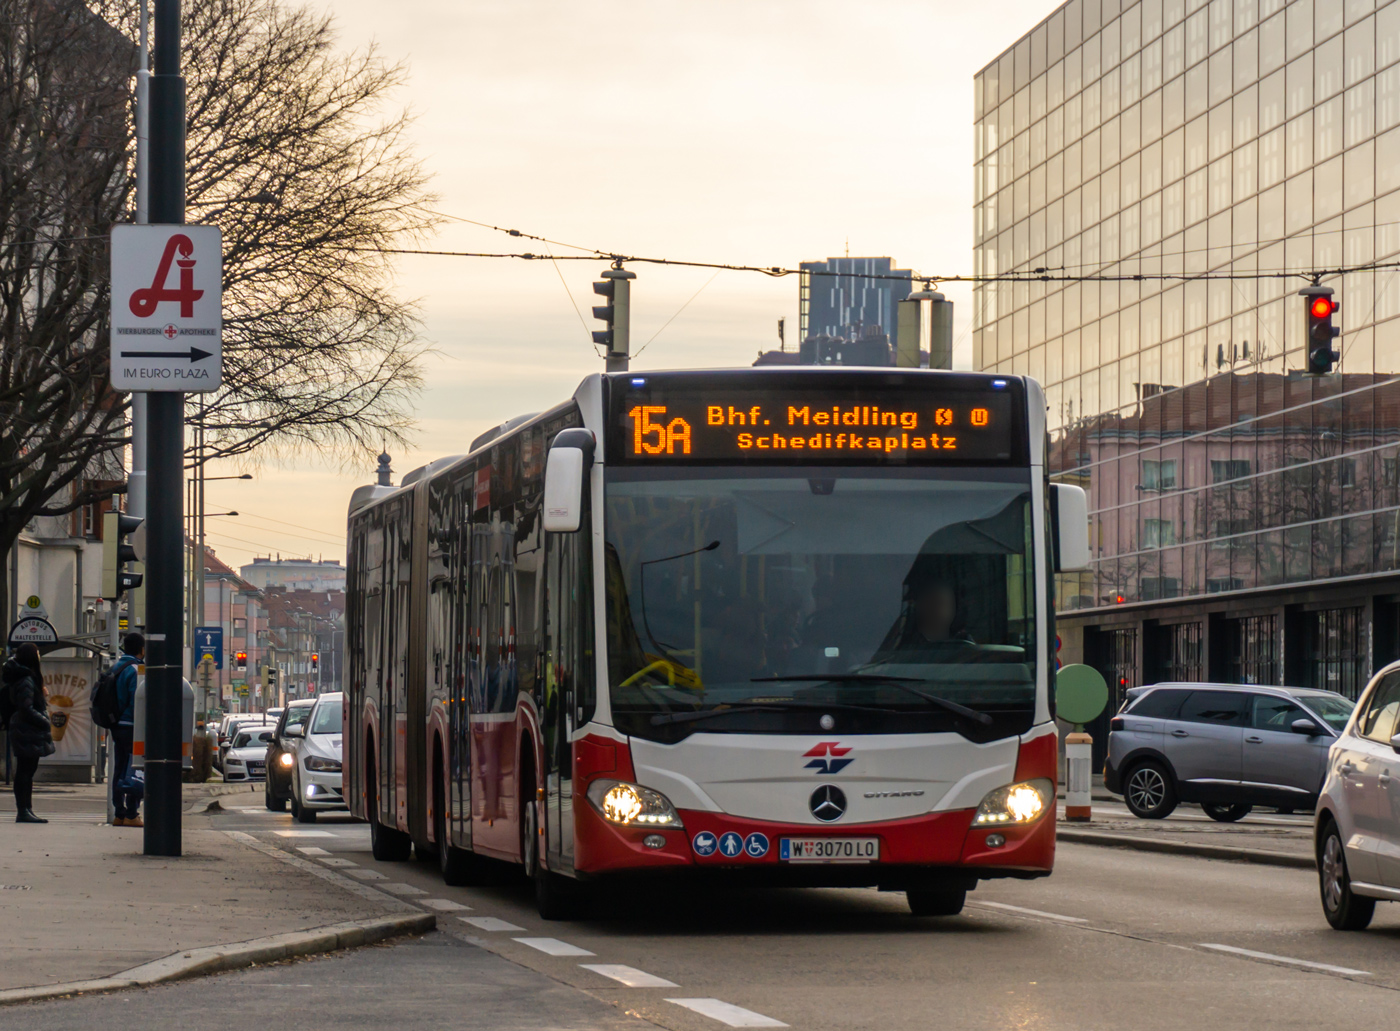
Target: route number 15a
{"x":652,"y":435}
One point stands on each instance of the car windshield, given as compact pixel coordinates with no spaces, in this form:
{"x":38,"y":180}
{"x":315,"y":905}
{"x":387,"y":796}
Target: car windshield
{"x":252,"y":737}
{"x":812,"y":587}
{"x":1333,"y":708}
{"x":298,"y":715}
{"x":327,"y":718}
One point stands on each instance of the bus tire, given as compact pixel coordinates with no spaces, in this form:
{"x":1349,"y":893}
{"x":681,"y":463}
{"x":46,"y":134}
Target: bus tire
{"x":936,"y":901}
{"x":556,"y":897}
{"x":459,"y":867}
{"x":386,"y":844}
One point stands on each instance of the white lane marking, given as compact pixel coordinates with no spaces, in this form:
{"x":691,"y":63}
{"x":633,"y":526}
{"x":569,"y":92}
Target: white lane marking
{"x":727,"y":1013}
{"x":1032,"y":912}
{"x":400,"y":889}
{"x":312,"y":850}
{"x":366,"y":875}
{"x":553,"y":947}
{"x":490,"y":923}
{"x":304,"y":834}
{"x":630,"y":976}
{"x":335,"y":861}
{"x":1286,"y":959}
{"x":443,"y":905}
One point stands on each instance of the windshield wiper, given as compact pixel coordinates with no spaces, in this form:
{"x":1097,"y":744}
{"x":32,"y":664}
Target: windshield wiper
{"x":902,"y":683}
{"x":662,"y":718}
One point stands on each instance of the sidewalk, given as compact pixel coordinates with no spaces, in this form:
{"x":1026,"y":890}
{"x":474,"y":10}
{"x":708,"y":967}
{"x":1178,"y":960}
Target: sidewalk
{"x":1261,"y":837}
{"x":78,"y":900}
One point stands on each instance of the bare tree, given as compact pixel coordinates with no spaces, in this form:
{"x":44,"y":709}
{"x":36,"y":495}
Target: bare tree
{"x":64,"y":100}
{"x":289,"y":156}
{"x":291,"y":152}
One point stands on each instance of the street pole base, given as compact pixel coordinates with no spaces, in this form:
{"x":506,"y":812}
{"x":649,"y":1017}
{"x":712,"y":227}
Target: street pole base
{"x":1078,"y":814}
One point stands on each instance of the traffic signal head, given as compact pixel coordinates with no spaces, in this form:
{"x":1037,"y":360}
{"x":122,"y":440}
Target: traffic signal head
{"x":315,"y":662}
{"x":1320,"y":330}
{"x":240,"y":659}
{"x":117,"y":552}
{"x":617,"y":288}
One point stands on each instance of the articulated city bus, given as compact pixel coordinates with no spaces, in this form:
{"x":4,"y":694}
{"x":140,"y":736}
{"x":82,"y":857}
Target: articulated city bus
{"x":786,"y":626}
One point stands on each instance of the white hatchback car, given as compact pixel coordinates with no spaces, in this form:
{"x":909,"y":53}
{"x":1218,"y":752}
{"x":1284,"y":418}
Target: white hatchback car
{"x":1358,"y":815}
{"x":246,"y":758}
{"x":316,"y":777}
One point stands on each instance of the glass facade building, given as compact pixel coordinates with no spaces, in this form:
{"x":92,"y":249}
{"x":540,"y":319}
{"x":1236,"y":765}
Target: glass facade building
{"x":1245,"y":516}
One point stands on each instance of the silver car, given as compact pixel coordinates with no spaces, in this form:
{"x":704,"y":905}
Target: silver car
{"x":1229,"y":747}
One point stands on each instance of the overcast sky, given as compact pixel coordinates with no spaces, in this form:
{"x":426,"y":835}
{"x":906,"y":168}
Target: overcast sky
{"x":741,"y":131}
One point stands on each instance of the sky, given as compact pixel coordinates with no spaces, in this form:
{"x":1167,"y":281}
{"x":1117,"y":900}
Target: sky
{"x":755,"y":132}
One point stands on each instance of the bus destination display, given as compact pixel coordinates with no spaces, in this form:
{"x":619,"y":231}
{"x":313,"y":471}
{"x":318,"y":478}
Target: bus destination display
{"x":817,"y":426}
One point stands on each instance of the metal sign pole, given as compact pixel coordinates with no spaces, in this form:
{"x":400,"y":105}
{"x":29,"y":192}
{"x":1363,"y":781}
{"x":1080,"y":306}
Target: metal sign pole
{"x":166,"y":456}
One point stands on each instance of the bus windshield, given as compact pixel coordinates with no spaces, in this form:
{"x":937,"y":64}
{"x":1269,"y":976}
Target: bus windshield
{"x":744,"y":600}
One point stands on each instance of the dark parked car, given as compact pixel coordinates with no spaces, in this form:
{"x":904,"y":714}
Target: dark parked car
{"x":281,"y":758}
{"x":1229,"y":747}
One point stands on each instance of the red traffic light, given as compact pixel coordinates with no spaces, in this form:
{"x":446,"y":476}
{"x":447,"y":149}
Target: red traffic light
{"x":1323,"y":307}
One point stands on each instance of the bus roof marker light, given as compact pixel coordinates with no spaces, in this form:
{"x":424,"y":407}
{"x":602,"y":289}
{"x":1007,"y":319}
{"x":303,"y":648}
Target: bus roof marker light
{"x":638,"y":381}
{"x":997,"y":384}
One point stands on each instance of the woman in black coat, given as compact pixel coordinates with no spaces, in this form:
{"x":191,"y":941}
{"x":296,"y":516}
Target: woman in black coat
{"x":31,"y":734}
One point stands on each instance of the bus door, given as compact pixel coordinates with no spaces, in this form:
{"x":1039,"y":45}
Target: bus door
{"x":560,"y":667}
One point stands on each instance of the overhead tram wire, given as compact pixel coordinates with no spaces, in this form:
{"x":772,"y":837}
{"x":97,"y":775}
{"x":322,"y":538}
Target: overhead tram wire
{"x":1036,"y":275}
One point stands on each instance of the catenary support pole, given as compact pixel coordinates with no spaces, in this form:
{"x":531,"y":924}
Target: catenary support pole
{"x":165,"y":446}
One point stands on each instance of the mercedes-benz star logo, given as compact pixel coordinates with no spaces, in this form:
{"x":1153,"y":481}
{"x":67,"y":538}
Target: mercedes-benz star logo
{"x":828,"y":803}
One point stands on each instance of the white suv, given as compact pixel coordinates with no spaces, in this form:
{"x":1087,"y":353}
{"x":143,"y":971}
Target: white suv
{"x":1358,"y":815}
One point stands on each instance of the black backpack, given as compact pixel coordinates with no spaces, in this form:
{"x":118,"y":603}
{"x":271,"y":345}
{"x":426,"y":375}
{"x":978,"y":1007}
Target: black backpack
{"x":106,"y":701}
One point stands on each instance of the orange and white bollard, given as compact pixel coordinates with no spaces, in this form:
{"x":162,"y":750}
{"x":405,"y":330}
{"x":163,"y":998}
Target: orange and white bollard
{"x":1079,"y":750}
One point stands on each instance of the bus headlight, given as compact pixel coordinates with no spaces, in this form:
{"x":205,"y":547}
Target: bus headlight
{"x":1024,"y":802}
{"x":627,"y":804}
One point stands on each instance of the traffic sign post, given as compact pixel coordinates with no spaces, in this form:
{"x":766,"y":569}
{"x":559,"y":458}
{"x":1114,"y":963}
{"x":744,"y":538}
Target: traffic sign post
{"x":167,"y":308}
{"x":1081,"y":693}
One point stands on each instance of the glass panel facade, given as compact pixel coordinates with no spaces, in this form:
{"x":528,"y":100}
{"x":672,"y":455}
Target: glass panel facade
{"x":1187,"y":138}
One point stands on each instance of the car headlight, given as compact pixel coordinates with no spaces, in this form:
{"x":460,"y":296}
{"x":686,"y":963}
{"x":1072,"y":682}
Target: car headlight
{"x":318,"y":765}
{"x":1024,"y":802}
{"x":286,"y":759}
{"x":624,"y":803}
{"x":233,"y":761}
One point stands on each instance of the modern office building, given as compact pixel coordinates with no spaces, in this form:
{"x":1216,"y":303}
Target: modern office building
{"x":847,"y":310}
{"x":296,"y":574}
{"x":1244,"y":514}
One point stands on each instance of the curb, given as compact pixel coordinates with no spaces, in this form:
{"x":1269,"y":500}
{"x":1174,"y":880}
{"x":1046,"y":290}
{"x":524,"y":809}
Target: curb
{"x":1181,"y":848}
{"x":236,"y":956}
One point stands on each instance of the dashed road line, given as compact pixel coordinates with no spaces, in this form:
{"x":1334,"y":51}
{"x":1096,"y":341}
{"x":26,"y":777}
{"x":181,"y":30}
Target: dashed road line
{"x":443,"y":905}
{"x":553,"y":947}
{"x":1310,"y":964}
{"x":336,"y":861}
{"x":727,"y":1013}
{"x":490,"y":923}
{"x":312,"y":850}
{"x":1031,"y":912}
{"x":630,"y":976}
{"x":304,"y":834}
{"x":367,"y":875}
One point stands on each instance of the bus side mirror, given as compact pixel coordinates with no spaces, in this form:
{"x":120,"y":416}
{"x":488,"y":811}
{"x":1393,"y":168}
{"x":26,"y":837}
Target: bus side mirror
{"x":1069,"y":523}
{"x":570,"y":458}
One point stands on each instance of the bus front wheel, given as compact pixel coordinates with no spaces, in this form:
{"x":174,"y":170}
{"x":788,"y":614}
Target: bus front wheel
{"x":937,"y":901}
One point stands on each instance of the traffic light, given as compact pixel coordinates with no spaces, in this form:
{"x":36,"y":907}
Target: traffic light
{"x":240,"y":660}
{"x":1321,"y":332}
{"x":617,"y":288}
{"x":116,"y":553}
{"x":315,"y":662}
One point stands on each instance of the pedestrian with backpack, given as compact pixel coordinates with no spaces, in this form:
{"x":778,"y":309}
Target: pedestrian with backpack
{"x":31,"y":734}
{"x":126,"y":792}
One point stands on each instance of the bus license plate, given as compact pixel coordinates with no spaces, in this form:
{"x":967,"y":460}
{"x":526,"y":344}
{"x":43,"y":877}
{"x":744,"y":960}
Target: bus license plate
{"x":829,"y":850}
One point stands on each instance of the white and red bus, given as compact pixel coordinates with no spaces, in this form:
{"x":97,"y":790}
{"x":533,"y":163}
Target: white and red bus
{"x":787,"y":626}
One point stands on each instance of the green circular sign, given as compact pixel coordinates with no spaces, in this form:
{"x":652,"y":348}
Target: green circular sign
{"x":1081,"y":693}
